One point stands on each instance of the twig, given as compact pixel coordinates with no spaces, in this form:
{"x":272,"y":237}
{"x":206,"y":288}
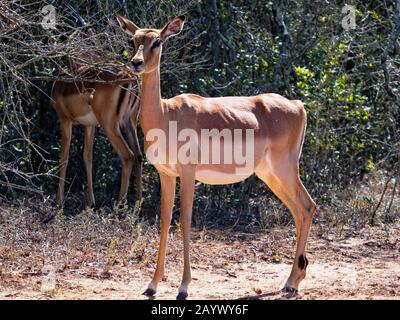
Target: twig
{"x":372,"y":219}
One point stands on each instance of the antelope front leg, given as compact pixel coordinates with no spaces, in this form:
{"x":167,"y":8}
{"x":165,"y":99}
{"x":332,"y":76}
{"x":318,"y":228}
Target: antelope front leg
{"x":168,"y":185}
{"x":187,"y":179}
{"x":88,"y":159}
{"x":66,"y":133}
{"x":125,"y":154}
{"x":138,"y":157}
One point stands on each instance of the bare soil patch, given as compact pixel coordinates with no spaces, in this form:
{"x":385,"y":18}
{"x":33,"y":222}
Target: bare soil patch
{"x":363,"y":264}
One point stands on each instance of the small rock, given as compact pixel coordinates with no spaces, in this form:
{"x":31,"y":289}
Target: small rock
{"x":257,"y":290}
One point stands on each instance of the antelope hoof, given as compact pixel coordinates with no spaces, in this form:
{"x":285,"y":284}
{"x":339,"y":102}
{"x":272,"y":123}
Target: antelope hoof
{"x":290,"y":292}
{"x":90,"y":205}
{"x":182,"y":295}
{"x":149,"y":292}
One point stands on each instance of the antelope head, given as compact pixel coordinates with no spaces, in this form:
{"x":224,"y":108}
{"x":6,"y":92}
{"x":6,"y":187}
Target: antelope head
{"x":148,"y":42}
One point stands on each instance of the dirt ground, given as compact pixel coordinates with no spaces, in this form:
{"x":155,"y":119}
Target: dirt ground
{"x":231,"y":265}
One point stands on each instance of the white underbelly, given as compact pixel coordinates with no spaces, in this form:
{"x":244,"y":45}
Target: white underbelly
{"x":216,"y":177}
{"x":88,"y":119}
{"x":207,"y":176}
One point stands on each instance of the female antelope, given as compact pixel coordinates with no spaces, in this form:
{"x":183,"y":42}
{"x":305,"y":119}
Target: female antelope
{"x":112,"y":105}
{"x":278,"y":125}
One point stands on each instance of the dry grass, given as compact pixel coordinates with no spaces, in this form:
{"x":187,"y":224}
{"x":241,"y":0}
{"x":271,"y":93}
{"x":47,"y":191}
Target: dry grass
{"x":357,"y":206}
{"x":36,"y":236}
{"x":108,"y":245}
{"x":100,"y":255}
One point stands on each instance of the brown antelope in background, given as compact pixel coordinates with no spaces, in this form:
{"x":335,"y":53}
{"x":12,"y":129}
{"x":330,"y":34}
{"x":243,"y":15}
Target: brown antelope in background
{"x":114,"y":106}
{"x":278,"y":125}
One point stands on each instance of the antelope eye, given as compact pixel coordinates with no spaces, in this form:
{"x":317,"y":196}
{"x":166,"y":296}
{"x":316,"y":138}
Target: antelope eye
{"x":156,"y":43}
{"x":132,"y":42}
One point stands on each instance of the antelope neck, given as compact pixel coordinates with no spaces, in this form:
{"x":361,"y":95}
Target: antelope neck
{"x":152,"y":109}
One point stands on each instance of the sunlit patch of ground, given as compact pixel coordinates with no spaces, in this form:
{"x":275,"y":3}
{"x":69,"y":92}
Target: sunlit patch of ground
{"x":95,"y":256}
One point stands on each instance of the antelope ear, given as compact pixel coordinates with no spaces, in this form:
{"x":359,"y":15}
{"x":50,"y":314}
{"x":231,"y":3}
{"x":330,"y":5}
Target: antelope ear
{"x":173,"y":28}
{"x":127,"y":25}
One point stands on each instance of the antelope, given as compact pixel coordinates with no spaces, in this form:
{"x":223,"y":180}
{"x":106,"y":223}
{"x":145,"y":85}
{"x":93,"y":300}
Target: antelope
{"x":113,"y":105}
{"x":278,"y":125}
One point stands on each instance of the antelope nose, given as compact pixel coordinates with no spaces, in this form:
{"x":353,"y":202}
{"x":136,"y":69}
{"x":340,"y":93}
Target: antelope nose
{"x":137,"y":62}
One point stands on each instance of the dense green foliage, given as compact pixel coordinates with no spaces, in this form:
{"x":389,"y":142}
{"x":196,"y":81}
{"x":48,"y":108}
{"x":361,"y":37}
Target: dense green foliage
{"x":242,"y":48}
